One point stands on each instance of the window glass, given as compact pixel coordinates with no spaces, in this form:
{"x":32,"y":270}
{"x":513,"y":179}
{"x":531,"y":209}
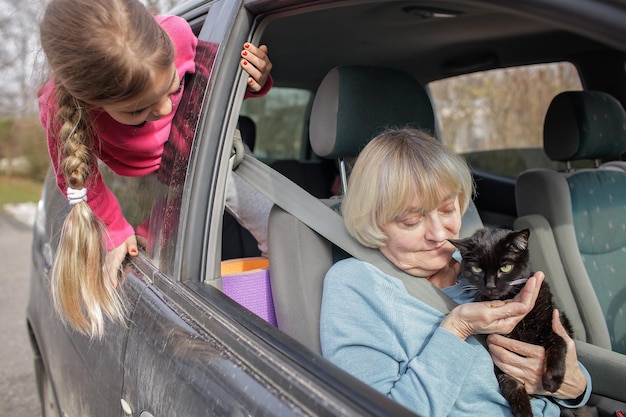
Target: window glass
{"x":152,"y":203}
{"x":495,"y":118}
{"x":165,"y":215}
{"x":280,"y":118}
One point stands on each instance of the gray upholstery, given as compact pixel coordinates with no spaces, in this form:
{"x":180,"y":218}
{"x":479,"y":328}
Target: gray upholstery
{"x":584,"y":125}
{"x":354,"y":103}
{"x":579,"y":217}
{"x":342,"y":122}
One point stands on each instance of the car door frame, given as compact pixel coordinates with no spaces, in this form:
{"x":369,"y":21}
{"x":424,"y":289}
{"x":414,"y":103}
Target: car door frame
{"x":192,"y":349}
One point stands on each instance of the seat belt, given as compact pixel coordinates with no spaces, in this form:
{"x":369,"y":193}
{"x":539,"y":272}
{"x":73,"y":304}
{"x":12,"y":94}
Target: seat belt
{"x":326,"y":222}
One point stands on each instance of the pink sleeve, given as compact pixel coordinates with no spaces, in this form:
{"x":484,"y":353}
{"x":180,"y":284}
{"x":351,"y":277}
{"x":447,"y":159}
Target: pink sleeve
{"x":263,"y":91}
{"x":99,"y":198}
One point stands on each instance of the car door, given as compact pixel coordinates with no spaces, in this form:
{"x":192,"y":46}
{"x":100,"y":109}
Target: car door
{"x":191,"y":349}
{"x":83,"y":375}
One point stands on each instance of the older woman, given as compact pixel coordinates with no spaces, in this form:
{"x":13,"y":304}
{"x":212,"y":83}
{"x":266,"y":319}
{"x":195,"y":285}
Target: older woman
{"x":406,"y":196}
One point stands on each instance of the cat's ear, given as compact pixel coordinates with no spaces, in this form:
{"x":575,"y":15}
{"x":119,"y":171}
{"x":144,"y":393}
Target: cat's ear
{"x":519,"y":239}
{"x":461,"y":244}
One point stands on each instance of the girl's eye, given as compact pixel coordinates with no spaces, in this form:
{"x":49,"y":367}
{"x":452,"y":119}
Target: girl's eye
{"x":178,"y":90}
{"x":477,"y":269}
{"x":136,"y":113}
{"x":506,"y":268}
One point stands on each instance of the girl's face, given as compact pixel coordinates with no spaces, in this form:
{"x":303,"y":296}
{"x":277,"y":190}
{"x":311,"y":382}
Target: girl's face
{"x":417,"y":240}
{"x":155,"y":102}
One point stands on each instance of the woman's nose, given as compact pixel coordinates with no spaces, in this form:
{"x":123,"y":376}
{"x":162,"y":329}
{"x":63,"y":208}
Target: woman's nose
{"x":435,"y":229}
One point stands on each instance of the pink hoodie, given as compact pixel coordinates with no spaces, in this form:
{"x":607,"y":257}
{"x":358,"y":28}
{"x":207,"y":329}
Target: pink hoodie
{"x":127,"y":150}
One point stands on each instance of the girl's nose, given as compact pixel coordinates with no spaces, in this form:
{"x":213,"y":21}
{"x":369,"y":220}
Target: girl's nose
{"x":163,"y":107}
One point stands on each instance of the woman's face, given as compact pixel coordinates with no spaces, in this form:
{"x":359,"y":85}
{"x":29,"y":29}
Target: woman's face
{"x":417,"y":240}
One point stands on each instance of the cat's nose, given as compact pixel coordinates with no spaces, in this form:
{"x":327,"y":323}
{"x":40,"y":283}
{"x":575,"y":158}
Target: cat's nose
{"x":491,"y":284}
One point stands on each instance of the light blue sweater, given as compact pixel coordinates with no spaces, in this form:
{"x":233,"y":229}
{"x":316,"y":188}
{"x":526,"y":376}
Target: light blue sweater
{"x":374,"y":329}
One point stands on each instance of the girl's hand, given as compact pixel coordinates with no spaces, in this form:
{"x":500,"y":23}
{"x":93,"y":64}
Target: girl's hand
{"x":525,"y":362}
{"x":257,"y":63}
{"x":488,"y":317}
{"x":115,"y":257}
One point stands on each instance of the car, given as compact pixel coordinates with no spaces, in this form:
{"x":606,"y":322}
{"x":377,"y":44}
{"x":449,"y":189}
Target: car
{"x":189,"y":346}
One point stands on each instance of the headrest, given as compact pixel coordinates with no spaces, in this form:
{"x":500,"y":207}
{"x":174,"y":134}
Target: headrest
{"x":584,"y":125}
{"x":354,"y":103}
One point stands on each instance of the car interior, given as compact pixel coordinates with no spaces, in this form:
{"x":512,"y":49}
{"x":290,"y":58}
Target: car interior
{"x":360,"y":95}
{"x":300,"y":258}
{"x":370,"y":70}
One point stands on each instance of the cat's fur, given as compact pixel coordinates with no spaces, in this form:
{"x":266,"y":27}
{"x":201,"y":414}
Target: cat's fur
{"x":496,"y":262}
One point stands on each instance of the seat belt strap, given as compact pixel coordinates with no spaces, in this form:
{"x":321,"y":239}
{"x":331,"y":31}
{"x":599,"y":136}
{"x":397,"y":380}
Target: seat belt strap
{"x":326,"y":222}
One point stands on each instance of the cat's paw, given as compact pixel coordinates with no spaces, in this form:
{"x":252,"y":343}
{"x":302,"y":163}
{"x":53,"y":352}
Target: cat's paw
{"x":552,"y":379}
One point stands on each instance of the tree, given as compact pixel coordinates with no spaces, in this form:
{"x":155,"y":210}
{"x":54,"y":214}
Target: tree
{"x":18,"y":54}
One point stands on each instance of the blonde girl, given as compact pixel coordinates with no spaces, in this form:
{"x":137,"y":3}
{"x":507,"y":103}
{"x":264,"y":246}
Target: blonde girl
{"x":117,"y":79}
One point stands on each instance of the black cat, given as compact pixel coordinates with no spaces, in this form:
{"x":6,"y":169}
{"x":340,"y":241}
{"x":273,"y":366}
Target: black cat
{"x":496,"y":261}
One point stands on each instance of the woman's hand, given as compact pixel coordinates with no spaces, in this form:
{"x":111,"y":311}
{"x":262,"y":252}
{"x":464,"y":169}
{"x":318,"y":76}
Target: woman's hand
{"x":116,"y":256}
{"x":525,"y":362}
{"x":488,"y":317}
{"x":257,"y":63}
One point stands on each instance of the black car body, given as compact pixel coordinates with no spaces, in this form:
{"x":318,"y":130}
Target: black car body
{"x":187,"y":349}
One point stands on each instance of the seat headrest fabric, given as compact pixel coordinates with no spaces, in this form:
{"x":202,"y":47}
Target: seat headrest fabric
{"x":355,"y":103}
{"x":584,"y":125}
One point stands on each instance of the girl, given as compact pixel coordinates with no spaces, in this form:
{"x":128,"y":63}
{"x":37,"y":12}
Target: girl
{"x":117,"y":79}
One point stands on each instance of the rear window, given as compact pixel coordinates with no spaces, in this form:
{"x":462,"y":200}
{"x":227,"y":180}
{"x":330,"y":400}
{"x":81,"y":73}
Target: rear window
{"x":281,"y":123}
{"x":495,"y":118}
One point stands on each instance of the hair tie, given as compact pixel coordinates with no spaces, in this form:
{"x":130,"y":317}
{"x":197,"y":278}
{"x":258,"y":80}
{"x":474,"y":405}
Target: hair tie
{"x":76,"y":196}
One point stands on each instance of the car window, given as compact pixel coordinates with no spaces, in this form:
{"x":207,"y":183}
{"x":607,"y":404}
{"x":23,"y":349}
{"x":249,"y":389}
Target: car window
{"x":495,"y":118}
{"x":152,"y":203}
{"x":280,"y":118}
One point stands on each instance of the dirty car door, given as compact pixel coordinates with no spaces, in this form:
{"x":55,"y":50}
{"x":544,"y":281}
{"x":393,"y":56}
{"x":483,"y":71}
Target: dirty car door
{"x":180,"y":356}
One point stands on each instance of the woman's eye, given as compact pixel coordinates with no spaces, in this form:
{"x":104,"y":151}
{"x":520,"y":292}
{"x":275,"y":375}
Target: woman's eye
{"x":506,"y":268}
{"x":477,"y":269}
{"x":448,"y":209}
{"x":410,"y":223}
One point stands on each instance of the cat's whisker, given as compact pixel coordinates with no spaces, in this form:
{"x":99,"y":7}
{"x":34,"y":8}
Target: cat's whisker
{"x":518,"y":281}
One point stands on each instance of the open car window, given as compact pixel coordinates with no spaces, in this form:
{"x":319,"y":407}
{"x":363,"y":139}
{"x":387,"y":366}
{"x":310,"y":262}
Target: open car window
{"x":495,"y":118}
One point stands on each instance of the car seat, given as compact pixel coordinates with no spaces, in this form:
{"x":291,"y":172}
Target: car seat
{"x":351,"y":106}
{"x":315,"y":176}
{"x":579,"y":216}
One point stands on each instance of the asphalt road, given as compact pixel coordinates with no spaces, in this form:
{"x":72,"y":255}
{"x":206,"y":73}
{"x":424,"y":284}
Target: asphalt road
{"x":18,"y":394}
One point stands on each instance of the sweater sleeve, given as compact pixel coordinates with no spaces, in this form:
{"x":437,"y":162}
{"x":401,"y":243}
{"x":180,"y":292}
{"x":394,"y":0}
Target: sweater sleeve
{"x":263,"y":91}
{"x":364,"y":332}
{"x":584,"y":398}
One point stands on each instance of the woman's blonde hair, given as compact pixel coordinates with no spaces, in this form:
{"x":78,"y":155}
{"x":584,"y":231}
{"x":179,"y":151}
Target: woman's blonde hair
{"x":100,"y":52}
{"x":394,"y":168}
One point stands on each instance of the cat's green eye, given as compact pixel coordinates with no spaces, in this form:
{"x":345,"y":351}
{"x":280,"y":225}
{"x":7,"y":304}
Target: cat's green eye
{"x":477,"y":269}
{"x":506,"y":268}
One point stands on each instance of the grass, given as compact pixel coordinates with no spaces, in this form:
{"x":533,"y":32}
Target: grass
{"x":18,"y":190}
